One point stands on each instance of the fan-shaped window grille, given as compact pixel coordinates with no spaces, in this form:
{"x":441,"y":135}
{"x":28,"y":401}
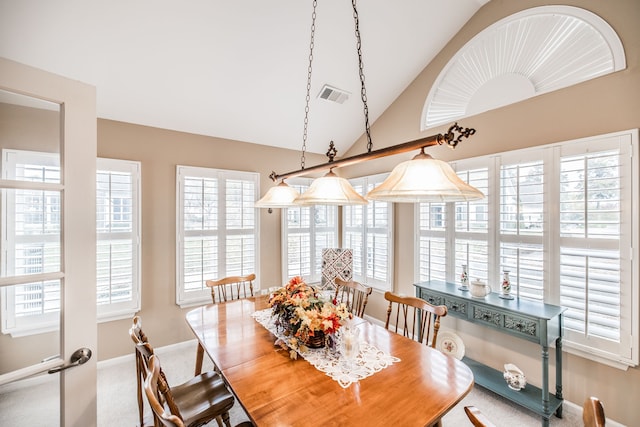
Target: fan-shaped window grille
{"x":526,"y":54}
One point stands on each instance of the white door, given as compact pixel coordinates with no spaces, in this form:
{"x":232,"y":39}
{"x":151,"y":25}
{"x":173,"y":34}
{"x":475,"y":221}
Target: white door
{"x":48,"y":240}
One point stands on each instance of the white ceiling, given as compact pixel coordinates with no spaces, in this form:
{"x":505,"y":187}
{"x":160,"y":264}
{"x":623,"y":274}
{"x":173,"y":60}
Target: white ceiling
{"x":234,"y":69}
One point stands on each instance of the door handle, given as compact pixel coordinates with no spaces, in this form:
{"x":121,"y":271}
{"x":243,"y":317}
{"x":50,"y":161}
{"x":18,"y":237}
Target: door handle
{"x":78,"y":357}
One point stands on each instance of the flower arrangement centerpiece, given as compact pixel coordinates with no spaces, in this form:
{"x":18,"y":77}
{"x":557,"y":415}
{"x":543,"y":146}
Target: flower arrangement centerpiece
{"x":305,"y":318}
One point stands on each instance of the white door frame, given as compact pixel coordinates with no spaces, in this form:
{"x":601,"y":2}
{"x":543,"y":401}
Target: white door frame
{"x":78,"y":326}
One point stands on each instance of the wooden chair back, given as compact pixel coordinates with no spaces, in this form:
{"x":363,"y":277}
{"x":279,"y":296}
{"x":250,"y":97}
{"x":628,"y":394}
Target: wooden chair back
{"x":144,"y":351}
{"x":593,"y":413}
{"x":140,"y":339}
{"x":355,"y":295}
{"x":477,"y":418}
{"x":414,"y":318}
{"x":202,"y":398}
{"x":158,"y":393}
{"x":230,"y":288}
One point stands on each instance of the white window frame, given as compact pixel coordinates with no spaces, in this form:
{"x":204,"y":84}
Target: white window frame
{"x":36,"y":324}
{"x":221,"y":176}
{"x":311,"y":232}
{"x":366,"y":276}
{"x":125,"y":309}
{"x":19,"y":326}
{"x":625,"y":352}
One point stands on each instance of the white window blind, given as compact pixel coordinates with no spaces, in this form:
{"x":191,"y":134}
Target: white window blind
{"x":471,"y":234}
{"x":431,"y":247}
{"x":592,"y":264}
{"x":118,"y":238}
{"x":217,"y":229}
{"x":560,"y":218}
{"x":521,"y":224}
{"x":368,"y":231}
{"x":306,"y":232}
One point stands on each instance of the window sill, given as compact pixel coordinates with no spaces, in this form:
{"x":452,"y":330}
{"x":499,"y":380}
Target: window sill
{"x":594,"y":355}
{"x":28,"y":331}
{"x":194,"y":303}
{"x":120,"y":315}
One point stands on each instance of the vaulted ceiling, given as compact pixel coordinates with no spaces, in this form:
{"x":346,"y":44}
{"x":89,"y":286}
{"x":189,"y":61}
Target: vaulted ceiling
{"x":234,"y":69}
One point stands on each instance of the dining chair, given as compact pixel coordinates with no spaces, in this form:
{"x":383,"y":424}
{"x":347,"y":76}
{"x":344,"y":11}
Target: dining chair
{"x":355,"y":295}
{"x":228,"y":288}
{"x":188,"y":405}
{"x":477,"y":418}
{"x":593,"y":413}
{"x":197,"y":401}
{"x":414,"y":317}
{"x":222,"y":290}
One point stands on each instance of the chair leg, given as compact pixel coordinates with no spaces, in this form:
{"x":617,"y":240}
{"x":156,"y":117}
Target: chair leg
{"x":226,"y":419}
{"x":199,"y":357}
{"x":139,"y":375}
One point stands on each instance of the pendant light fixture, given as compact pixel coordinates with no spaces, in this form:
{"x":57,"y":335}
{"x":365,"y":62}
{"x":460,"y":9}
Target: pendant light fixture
{"x":330,"y":190}
{"x":280,"y":196}
{"x":406,"y":183}
{"x":422,"y":179}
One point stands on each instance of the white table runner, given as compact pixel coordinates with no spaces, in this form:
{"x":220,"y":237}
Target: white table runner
{"x":369,"y":361}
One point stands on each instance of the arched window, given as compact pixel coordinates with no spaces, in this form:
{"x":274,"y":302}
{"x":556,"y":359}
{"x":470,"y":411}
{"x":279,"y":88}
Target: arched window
{"x":529,"y":53}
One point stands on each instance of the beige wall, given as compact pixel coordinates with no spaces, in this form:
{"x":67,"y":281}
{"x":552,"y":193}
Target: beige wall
{"x":606,"y":104}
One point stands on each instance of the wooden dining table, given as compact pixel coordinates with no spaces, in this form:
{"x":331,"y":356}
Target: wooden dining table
{"x":275,"y":390}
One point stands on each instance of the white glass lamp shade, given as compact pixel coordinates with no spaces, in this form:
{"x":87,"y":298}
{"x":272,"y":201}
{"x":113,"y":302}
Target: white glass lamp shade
{"x":330,"y":190}
{"x":280,"y":196}
{"x":424,"y":179}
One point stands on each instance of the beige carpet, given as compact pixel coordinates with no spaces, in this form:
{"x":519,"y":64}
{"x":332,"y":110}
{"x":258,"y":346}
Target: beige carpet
{"x":117,"y":405}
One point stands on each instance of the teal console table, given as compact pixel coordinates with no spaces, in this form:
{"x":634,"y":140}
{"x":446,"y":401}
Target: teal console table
{"x":529,"y":320}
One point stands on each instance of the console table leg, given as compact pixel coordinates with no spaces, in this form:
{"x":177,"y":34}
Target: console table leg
{"x":545,"y":381}
{"x":559,"y":374}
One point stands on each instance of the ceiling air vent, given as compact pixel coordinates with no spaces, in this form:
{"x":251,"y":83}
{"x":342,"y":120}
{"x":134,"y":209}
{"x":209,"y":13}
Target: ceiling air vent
{"x":333,"y":94}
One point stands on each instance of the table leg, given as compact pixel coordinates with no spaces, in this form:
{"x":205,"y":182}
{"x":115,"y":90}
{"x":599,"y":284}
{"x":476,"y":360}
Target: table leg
{"x":559,"y":374}
{"x":545,"y":381}
{"x":199,"y":358}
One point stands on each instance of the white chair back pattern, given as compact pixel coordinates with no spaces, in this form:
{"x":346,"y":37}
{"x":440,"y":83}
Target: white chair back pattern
{"x":336,"y":262}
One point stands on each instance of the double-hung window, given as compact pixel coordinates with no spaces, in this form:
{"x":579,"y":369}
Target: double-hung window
{"x":217,"y":229}
{"x":30,"y":242}
{"x":368,"y":231}
{"x":307,"y":230}
{"x":562,"y":220}
{"x":31,"y":221}
{"x":118,"y":238}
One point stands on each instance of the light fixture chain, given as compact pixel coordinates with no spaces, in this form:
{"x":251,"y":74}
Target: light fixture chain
{"x":308,"y":97}
{"x":363,"y":89}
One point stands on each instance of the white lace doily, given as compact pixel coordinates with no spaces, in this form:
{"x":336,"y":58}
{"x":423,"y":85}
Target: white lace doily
{"x":368,"y":362}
